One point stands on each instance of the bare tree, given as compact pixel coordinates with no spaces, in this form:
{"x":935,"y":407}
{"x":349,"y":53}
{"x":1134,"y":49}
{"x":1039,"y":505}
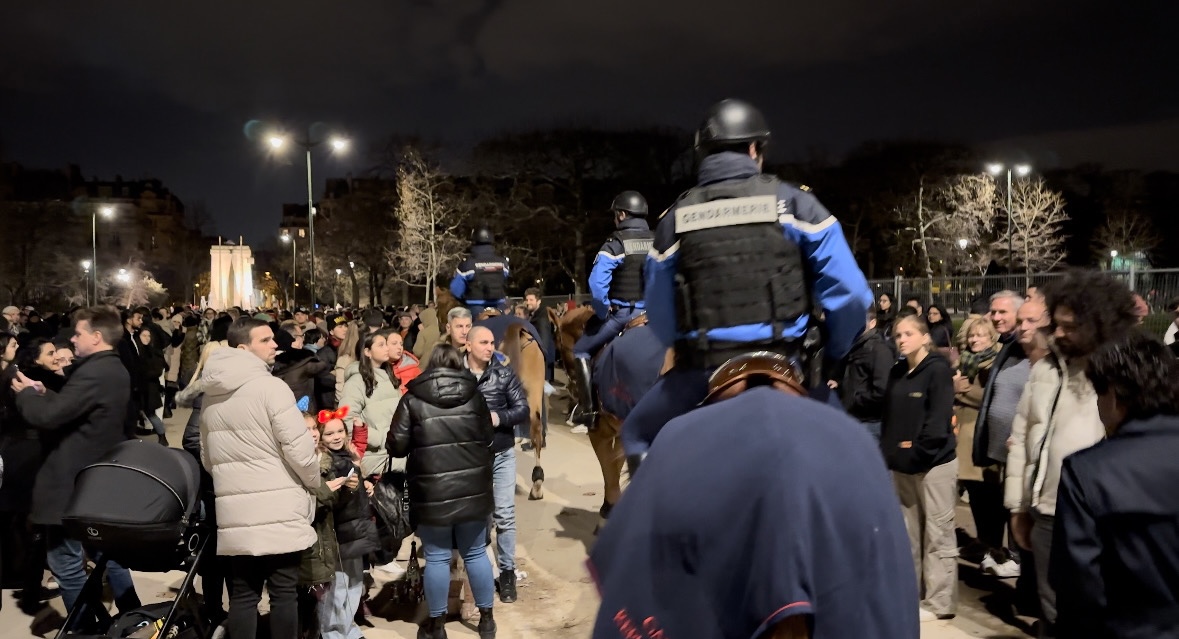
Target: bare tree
{"x":940,"y":219}
{"x":131,"y":286}
{"x":1127,"y":231}
{"x":429,"y":215}
{"x":1037,"y":220}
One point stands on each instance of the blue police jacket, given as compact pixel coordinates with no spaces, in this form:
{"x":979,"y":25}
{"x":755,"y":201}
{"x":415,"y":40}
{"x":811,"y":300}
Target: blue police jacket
{"x":838,"y":287}
{"x":466,"y":272}
{"x":610,"y":257}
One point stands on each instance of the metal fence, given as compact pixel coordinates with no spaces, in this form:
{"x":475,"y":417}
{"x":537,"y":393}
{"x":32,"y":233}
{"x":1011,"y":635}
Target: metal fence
{"x":958,"y":294}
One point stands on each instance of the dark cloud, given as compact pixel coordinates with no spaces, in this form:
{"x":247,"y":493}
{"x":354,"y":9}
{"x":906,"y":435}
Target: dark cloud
{"x":165,"y":88}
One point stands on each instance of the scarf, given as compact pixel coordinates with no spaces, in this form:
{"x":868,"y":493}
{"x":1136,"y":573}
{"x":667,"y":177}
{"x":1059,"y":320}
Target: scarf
{"x":970,"y":363}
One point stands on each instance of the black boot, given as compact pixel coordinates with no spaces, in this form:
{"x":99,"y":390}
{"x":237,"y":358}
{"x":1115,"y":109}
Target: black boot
{"x":486,"y":624}
{"x":583,"y":413}
{"x":163,"y":440}
{"x":507,"y":586}
{"x":433,"y":628}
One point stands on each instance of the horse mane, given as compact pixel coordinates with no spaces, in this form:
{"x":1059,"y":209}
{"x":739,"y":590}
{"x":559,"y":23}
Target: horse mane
{"x":573,"y":322}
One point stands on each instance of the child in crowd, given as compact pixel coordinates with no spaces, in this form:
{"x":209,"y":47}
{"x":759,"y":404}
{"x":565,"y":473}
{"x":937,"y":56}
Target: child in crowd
{"x":355,"y":531}
{"x":319,"y":562}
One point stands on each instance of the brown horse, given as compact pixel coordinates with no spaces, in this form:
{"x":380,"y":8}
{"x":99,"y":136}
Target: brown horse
{"x":605,"y":437}
{"x":526,"y":359}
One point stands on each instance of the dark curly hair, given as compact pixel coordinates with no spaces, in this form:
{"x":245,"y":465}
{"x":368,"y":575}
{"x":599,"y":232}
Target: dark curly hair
{"x":1142,"y":373}
{"x":1103,"y":306}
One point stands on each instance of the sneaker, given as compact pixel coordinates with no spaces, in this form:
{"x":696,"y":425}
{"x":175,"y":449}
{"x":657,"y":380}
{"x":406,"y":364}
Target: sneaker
{"x":579,"y":429}
{"x":507,"y":586}
{"x":1006,"y":570}
{"x":392,"y":568}
{"x":924,"y":615}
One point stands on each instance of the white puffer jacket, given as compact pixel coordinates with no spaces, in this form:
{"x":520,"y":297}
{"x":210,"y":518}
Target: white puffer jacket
{"x":255,"y":444}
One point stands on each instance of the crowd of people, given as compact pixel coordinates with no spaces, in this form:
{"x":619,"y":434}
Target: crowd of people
{"x":1052,"y":414}
{"x":295,"y":417}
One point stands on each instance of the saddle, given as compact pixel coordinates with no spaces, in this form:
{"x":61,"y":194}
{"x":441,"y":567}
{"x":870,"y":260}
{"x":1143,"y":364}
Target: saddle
{"x":759,"y":368}
{"x":635,"y":322}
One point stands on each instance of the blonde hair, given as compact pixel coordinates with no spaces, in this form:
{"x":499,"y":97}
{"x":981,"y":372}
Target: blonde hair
{"x":972,"y":322}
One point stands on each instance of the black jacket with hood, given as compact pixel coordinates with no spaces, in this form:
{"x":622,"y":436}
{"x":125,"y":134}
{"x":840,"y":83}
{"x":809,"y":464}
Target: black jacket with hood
{"x":865,"y":378}
{"x":918,"y":433}
{"x":444,"y":426}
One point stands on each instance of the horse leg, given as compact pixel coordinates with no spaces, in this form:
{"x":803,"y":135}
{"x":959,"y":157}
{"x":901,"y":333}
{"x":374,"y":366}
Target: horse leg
{"x":536,"y":430}
{"x":604,"y":440}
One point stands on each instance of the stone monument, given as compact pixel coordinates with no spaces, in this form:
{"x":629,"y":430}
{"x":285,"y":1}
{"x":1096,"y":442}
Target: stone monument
{"x":231,"y":276}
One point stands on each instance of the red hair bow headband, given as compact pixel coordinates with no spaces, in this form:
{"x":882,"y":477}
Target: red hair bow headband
{"x":326,"y":416}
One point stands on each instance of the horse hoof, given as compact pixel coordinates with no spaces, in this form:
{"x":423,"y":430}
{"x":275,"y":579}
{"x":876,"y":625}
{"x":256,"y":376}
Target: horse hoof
{"x":604,"y":511}
{"x":537,"y":491}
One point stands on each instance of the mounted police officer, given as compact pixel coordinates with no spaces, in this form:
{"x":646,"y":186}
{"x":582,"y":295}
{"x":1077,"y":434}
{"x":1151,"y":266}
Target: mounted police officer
{"x":479,"y":282}
{"x":616,"y":283}
{"x":739,"y":264}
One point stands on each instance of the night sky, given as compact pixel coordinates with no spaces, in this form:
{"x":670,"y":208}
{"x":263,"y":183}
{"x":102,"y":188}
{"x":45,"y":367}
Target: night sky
{"x":158,"y":89}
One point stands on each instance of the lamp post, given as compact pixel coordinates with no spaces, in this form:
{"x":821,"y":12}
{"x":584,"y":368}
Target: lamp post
{"x":106,"y":211}
{"x":996,"y":169}
{"x":336,"y":288}
{"x":86,"y":277}
{"x":288,"y":238}
{"x":277,"y":142}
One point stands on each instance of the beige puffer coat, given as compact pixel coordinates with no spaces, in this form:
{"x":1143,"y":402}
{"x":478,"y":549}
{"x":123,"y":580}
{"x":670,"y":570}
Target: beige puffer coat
{"x":255,"y":444}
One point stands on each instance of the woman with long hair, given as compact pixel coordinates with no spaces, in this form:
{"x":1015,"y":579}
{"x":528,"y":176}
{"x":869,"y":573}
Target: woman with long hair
{"x":20,"y":447}
{"x":8,"y":346}
{"x":346,"y":356}
{"x":444,"y":427}
{"x":371,"y":395}
{"x":917,"y":439}
{"x":941,"y":327}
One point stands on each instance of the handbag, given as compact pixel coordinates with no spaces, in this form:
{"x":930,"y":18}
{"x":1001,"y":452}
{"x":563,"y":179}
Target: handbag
{"x":390,"y":502}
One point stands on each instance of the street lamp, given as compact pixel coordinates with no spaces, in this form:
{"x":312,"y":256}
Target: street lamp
{"x":289,"y":239}
{"x":336,"y":288}
{"x":278,"y":141}
{"x":123,"y":276}
{"x":1022,"y":170}
{"x":962,"y":243}
{"x":106,"y":211}
{"x":86,"y":277}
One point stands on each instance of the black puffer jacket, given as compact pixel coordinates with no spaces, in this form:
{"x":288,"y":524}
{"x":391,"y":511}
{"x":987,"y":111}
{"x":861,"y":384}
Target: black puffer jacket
{"x":355,"y":531}
{"x":504,"y":393}
{"x":299,"y":369}
{"x":444,"y":426}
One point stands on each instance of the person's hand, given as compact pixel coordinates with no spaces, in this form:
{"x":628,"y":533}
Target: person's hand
{"x":494,"y":418}
{"x":334,"y":484}
{"x":368,"y":487}
{"x":832,"y":384}
{"x":352,"y":482}
{"x":20,"y":382}
{"x":961,"y":384}
{"x":1021,"y":530}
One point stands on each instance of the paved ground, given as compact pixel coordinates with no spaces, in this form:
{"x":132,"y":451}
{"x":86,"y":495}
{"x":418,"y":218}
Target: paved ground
{"x":557,"y":599}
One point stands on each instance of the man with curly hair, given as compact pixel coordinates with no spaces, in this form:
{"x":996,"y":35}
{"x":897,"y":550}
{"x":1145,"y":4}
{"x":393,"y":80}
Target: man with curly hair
{"x":1058,"y":413}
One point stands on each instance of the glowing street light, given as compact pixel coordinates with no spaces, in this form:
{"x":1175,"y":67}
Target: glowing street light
{"x":123,"y":276}
{"x":1113,"y":253}
{"x":962,"y":243}
{"x":106,"y":211}
{"x":1022,"y":170}
{"x":338,"y":144}
{"x":287,"y":238}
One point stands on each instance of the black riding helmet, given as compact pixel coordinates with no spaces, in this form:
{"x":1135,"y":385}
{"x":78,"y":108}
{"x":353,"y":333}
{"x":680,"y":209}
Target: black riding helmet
{"x":731,"y":123}
{"x":483,"y":235}
{"x":631,"y":202}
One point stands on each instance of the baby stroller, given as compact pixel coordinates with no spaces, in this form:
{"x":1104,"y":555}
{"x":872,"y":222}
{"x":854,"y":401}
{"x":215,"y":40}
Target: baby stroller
{"x":139,"y":508}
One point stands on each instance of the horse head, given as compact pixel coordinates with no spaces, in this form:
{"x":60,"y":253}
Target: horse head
{"x":445,"y":301}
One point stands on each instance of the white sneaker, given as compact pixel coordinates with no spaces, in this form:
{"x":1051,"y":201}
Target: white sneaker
{"x":579,"y":429}
{"x":1006,"y":570}
{"x":392,"y":568}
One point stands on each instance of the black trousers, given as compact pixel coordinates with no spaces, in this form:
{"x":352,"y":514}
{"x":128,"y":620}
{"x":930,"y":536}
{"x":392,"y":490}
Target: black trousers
{"x":990,"y":517}
{"x":279,"y":574}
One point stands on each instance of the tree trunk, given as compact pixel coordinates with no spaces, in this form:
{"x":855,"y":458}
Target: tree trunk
{"x":578,"y":263}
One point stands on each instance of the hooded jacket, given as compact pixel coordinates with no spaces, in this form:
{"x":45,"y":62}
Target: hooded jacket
{"x":298,"y":368}
{"x":255,"y":444}
{"x":917,"y":433}
{"x":376,"y":410}
{"x":444,"y":426}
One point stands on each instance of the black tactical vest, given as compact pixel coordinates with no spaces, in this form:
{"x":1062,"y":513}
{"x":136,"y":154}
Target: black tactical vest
{"x":626,"y":283}
{"x":736,"y":266}
{"x":488,"y":282}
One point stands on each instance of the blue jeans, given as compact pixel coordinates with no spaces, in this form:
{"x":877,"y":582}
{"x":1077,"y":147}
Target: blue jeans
{"x":471,"y":539}
{"x":337,"y":609}
{"x":677,"y":392}
{"x":67,"y":562}
{"x":503,"y":471}
{"x":873,"y":429}
{"x":598,"y":333}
